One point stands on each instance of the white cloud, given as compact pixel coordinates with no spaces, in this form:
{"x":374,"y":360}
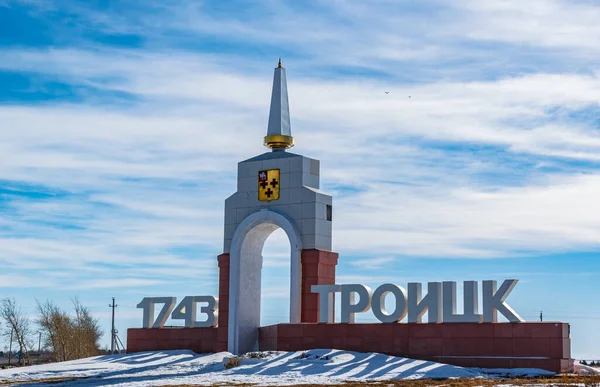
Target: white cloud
{"x":558,"y":215}
{"x":48,"y":145}
{"x":546,"y":23}
{"x":117,"y":283}
{"x":12,"y":281}
{"x":372,"y":263}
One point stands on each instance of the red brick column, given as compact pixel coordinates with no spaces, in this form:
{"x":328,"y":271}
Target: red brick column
{"x":223,"y":301}
{"x":318,"y":268}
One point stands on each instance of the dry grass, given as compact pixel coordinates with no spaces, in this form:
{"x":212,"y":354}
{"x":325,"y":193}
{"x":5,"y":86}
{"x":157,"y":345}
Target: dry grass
{"x":233,"y":362}
{"x":58,"y":380}
{"x":562,"y":380}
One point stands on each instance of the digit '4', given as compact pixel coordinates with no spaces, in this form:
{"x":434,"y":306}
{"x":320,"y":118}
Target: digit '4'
{"x":186,"y":310}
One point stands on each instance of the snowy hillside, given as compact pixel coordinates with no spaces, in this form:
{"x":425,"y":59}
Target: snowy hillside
{"x":186,"y":367}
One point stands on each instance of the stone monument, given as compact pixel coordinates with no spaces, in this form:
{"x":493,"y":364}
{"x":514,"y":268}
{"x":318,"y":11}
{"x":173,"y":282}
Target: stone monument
{"x":277,"y":189}
{"x":280,"y":189}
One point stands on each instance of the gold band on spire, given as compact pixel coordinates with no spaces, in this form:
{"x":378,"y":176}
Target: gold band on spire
{"x":279,"y":64}
{"x":279,"y":141}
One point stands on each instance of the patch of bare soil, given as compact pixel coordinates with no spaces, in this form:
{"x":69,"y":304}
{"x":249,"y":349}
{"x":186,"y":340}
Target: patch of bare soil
{"x":562,"y":380}
{"x":59,"y":380}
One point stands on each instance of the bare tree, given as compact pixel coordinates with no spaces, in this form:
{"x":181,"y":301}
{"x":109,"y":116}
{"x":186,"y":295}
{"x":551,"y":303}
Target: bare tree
{"x":88,"y":331}
{"x":69,"y":337}
{"x":56,"y":324}
{"x":17,"y":324}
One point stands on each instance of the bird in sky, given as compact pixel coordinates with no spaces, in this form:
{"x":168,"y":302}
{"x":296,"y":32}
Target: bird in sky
{"x":387,"y":92}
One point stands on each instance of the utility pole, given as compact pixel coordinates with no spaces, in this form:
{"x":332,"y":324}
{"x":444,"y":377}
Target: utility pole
{"x":541,"y":316}
{"x":10,"y":345}
{"x":40,"y":343}
{"x":112,"y":332}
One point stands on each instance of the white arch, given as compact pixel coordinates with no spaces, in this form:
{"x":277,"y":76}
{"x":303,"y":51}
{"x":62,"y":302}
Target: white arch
{"x":245,"y":276}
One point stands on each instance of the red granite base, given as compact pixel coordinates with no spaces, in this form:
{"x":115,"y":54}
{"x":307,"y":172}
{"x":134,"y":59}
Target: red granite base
{"x":199,"y":340}
{"x":318,"y":268}
{"x":501,"y":345}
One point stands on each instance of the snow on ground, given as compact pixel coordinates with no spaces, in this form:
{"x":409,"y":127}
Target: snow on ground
{"x":585,"y":370}
{"x":277,"y":368}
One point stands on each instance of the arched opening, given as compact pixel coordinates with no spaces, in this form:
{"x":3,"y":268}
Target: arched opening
{"x":246,"y":276}
{"x":275,"y":293}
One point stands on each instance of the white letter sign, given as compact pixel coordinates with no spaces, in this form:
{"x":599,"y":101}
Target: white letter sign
{"x":326,"y":299}
{"x":470,"y":302}
{"x":186,"y":310}
{"x":493,"y":301}
{"x":439,"y":303}
{"x":378,"y":303}
{"x":349,"y":307}
{"x":432,"y":303}
{"x":148,"y":305}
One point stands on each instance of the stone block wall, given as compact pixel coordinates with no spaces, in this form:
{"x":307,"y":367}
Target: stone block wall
{"x":199,"y":340}
{"x":500,"y":345}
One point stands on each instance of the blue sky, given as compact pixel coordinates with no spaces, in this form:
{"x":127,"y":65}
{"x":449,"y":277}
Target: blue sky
{"x":121,"y":124}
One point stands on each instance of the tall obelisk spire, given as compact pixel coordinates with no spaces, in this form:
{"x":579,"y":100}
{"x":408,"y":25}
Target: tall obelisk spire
{"x":279,"y":132}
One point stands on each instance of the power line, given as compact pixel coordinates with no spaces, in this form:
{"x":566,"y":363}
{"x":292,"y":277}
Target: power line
{"x":565,"y":317}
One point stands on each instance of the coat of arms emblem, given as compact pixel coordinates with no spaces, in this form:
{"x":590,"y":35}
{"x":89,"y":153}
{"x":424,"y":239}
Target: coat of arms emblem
{"x":268,"y":185}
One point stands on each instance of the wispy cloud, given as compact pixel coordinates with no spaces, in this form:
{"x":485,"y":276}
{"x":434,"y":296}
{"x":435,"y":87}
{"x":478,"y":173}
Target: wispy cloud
{"x":179,"y":151}
{"x":372,"y":263}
